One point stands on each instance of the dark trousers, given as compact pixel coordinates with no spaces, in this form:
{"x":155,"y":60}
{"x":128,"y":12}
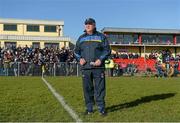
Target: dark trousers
{"x":94,"y":88}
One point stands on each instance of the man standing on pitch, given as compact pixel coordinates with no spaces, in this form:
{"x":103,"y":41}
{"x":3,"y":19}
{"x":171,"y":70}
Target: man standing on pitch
{"x":91,"y":51}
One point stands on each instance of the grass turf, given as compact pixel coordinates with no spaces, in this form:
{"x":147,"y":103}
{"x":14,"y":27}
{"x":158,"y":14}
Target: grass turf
{"x":128,"y":99}
{"x":28,"y":99}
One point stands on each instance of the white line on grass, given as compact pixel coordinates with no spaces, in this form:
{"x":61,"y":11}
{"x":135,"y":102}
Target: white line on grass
{"x":60,"y":98}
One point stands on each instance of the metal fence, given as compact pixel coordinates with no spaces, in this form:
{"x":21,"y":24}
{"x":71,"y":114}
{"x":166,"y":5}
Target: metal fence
{"x":53,"y":69}
{"x":31,"y":69}
{"x":70,"y":69}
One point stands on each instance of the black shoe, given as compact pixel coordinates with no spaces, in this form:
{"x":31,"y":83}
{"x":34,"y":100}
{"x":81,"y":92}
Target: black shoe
{"x":103,"y":113}
{"x":88,"y":112}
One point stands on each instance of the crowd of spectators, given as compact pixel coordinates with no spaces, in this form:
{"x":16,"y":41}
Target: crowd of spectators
{"x":165,"y":61}
{"x":27,"y":60}
{"x":36,"y":55}
{"x":10,"y":57}
{"x":125,"y":55}
{"x":163,"y":56}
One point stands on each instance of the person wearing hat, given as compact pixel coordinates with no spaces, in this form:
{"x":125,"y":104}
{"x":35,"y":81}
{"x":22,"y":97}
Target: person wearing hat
{"x":91,"y":51}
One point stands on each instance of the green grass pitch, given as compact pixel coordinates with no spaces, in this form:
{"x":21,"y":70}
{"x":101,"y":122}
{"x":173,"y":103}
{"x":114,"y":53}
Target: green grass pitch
{"x":127,"y":99}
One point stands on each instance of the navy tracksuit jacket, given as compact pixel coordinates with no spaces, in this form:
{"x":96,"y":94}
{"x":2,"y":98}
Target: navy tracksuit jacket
{"x":91,"y":48}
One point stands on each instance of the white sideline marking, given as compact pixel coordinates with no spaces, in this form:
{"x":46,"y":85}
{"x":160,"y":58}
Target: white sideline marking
{"x":60,"y":98}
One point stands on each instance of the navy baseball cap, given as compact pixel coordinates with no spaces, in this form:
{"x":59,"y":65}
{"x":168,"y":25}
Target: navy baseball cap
{"x":89,"y":21}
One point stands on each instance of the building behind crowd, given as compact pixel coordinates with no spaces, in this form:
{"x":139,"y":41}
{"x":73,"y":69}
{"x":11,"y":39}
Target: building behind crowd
{"x":33,"y":33}
{"x":143,"y":41}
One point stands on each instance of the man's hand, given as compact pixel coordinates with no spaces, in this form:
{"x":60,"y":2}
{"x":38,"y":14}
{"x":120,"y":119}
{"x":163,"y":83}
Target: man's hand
{"x":97,"y":63}
{"x":82,"y":61}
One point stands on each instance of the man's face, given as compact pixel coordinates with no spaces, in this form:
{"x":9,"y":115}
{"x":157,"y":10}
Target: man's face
{"x":89,"y":28}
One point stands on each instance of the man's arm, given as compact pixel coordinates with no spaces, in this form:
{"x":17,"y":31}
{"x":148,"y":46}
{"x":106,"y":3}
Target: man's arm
{"x":77,"y":51}
{"x":105,"y":53}
{"x":77,"y":54}
{"x":106,"y":50}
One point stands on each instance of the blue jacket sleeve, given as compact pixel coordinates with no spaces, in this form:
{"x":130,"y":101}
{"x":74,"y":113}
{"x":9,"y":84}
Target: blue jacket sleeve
{"x":106,"y":50}
{"x":77,"y":51}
